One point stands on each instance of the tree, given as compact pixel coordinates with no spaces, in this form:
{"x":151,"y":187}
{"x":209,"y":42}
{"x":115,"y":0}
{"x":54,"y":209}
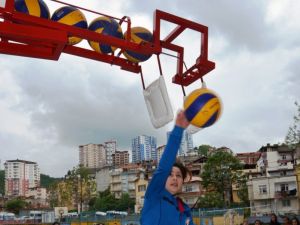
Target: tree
{"x":125,"y":203}
{"x":211,"y":200}
{"x":2,"y":183}
{"x":243,"y":190}
{"x":292,"y":138}
{"x":203,"y":150}
{"x":46,"y":180}
{"x":221,"y":171}
{"x":77,"y":188}
{"x":84,"y":187}
{"x":105,"y":201}
{"x":15,"y":205}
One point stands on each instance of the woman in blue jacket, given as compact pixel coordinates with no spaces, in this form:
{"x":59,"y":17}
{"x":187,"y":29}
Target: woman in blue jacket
{"x":161,"y":206}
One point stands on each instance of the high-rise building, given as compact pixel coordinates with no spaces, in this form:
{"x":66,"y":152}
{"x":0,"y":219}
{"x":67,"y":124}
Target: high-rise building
{"x":110,"y":149}
{"x":143,"y":148}
{"x":20,"y":176}
{"x":160,"y":151}
{"x":120,"y":158}
{"x":92,"y":155}
{"x":186,"y":143}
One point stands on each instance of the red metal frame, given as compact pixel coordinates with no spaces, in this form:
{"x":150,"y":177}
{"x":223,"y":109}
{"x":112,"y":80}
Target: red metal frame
{"x":30,"y":36}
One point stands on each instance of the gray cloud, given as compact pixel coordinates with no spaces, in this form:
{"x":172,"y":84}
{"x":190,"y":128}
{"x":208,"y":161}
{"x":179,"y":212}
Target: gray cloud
{"x":60,"y":105}
{"x":242,"y":24}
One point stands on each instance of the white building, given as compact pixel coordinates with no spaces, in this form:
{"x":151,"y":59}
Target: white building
{"x":103,"y":178}
{"x":123,"y":181}
{"x":20,"y":176}
{"x":274,"y":189}
{"x":160,"y":151}
{"x":186,"y":143}
{"x":39,"y":196}
{"x":110,"y":149}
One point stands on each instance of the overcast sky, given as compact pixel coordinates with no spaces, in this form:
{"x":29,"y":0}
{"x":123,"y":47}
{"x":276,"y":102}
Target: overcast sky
{"x":49,"y":108}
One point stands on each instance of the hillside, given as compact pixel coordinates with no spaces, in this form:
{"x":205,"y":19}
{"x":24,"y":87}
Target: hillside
{"x":46,"y":180}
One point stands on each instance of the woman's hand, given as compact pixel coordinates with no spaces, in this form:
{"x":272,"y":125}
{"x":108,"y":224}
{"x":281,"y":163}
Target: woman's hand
{"x":181,"y":120}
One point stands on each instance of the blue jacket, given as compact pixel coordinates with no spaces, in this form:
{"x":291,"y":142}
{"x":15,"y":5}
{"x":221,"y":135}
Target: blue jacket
{"x":160,"y":206}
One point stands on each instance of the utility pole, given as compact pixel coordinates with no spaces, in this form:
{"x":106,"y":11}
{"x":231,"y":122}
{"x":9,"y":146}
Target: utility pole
{"x":81,"y":194}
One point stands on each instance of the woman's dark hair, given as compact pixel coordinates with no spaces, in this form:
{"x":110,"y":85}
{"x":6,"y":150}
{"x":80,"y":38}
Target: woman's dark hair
{"x":295,"y":218}
{"x":273,"y":214}
{"x":257,"y":221}
{"x":184,"y":171}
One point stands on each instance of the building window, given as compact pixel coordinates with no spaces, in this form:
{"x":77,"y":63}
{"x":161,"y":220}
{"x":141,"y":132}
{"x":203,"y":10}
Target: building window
{"x":286,"y":203}
{"x":262,"y":189}
{"x":284,"y":187}
{"x":141,"y":188}
{"x":265,"y":203}
{"x":283,"y":156}
{"x":188,"y":188}
{"x":283,"y":173}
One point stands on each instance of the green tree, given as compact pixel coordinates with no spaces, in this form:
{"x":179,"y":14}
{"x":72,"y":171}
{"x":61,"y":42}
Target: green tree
{"x":221,"y":171}
{"x":53,"y":195}
{"x":211,"y":200}
{"x":47,"y":181}
{"x":15,"y":205}
{"x":2,"y":177}
{"x":77,"y":187}
{"x":292,"y":138}
{"x":105,"y":201}
{"x":203,"y":150}
{"x":83,"y":187}
{"x":243,"y":190}
{"x":125,"y":203}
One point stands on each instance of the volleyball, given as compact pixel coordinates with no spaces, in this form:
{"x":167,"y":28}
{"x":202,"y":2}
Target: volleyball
{"x":33,"y":7}
{"x":71,"y":16}
{"x":202,"y":107}
{"x":138,"y":35}
{"x":106,"y":26}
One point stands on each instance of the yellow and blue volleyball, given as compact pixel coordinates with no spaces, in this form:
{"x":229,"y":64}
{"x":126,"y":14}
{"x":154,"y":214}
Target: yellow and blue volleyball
{"x":202,"y":107}
{"x":106,"y":26}
{"x":33,"y":7}
{"x":71,"y":16}
{"x":138,"y":35}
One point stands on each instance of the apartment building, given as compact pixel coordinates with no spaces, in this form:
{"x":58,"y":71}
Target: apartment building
{"x":92,"y":155}
{"x":141,"y":184}
{"x":110,"y":149}
{"x":120,"y":158}
{"x":248,"y":158}
{"x":20,"y":176}
{"x":38,"y":197}
{"x":186,"y":144}
{"x":274,"y":187}
{"x":103,"y":178}
{"x":123,"y":181}
{"x":143,"y":148}
{"x":192,"y":190}
{"x":160,"y":151}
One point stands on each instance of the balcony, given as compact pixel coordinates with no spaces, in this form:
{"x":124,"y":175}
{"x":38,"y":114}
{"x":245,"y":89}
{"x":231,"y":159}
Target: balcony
{"x":284,"y":161}
{"x":286,"y":194}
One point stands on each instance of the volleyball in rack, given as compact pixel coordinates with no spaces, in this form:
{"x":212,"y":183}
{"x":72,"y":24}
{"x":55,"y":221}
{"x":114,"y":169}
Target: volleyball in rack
{"x":33,"y":7}
{"x":138,"y":35}
{"x":71,"y":16}
{"x":106,"y":26}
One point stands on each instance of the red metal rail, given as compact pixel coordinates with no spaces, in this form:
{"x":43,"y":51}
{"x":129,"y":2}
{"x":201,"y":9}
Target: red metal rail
{"x":30,"y":36}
